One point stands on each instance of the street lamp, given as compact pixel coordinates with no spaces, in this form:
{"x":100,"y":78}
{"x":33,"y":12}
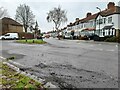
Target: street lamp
{"x":98,"y":8}
{"x":99,"y":20}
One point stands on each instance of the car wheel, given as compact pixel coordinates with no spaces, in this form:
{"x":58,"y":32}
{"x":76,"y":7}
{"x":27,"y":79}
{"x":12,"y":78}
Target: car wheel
{"x":14,"y":38}
{"x":3,"y":38}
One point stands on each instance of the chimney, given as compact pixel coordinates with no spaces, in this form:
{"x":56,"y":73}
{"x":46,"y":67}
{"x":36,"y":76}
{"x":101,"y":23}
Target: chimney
{"x":77,"y":19}
{"x":70,"y":23}
{"x":111,"y":5}
{"x":88,"y":14}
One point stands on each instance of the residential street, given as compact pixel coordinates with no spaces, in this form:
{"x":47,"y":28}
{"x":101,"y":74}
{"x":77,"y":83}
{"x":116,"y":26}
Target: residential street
{"x":68,"y":63}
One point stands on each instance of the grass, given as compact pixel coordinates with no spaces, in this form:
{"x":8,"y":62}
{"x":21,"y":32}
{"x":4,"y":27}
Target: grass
{"x":32,"y":41}
{"x":11,"y":79}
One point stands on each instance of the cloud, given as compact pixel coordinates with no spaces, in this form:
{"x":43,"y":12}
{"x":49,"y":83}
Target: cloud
{"x":74,"y":8}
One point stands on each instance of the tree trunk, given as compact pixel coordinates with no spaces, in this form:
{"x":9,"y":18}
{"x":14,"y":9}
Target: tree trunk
{"x":25,"y":29}
{"x":58,"y":33}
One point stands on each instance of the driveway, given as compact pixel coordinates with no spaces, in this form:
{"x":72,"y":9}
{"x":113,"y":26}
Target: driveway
{"x":68,"y":63}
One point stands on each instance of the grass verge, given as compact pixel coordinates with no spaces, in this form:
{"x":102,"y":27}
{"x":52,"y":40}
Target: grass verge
{"x":31,"y":41}
{"x":13,"y":80}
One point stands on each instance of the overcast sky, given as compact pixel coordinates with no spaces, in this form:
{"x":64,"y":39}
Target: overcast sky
{"x":40,"y":8}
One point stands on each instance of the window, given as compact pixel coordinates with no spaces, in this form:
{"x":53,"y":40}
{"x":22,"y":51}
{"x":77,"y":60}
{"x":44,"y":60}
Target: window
{"x":104,"y":20}
{"x":109,"y":19}
{"x":91,"y":23}
{"x":7,"y":34}
{"x":81,"y":25}
{"x":100,"y":21}
{"x":84,"y":25}
{"x":97,"y":22}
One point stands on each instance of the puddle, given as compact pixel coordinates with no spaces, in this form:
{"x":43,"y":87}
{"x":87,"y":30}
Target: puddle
{"x":7,"y":55}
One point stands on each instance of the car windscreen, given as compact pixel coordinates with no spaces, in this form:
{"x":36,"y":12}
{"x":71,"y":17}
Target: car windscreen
{"x":7,"y":34}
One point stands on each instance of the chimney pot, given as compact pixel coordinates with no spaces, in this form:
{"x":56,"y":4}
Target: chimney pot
{"x":111,"y":5}
{"x":77,"y":19}
{"x":88,"y":14}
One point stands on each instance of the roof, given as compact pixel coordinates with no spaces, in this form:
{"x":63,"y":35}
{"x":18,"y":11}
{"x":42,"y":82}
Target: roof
{"x":107,"y":12}
{"x":89,"y":18}
{"x":10,"y":21}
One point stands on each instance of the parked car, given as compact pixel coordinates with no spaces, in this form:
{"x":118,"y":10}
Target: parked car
{"x":9,"y":36}
{"x":47,"y":36}
{"x":92,"y":36}
{"x":67,"y":36}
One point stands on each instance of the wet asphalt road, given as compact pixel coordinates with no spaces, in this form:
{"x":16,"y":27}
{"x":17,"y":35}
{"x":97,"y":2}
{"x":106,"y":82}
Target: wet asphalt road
{"x":68,"y":63}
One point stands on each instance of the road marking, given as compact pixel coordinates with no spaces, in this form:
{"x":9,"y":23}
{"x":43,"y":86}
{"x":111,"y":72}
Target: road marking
{"x":112,"y":50}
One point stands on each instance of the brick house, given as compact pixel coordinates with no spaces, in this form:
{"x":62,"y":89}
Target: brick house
{"x":8,"y":25}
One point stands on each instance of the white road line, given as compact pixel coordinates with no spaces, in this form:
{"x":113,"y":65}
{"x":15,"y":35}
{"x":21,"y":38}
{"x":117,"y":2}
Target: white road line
{"x":112,"y":50}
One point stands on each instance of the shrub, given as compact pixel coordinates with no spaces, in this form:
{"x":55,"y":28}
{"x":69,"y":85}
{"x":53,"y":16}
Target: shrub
{"x":112,"y":39}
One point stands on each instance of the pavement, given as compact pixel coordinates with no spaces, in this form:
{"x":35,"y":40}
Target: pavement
{"x":68,"y":63}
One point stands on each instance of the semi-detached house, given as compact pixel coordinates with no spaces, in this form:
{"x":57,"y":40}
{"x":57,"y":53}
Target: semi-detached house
{"x":103,"y":23}
{"x":107,"y":21}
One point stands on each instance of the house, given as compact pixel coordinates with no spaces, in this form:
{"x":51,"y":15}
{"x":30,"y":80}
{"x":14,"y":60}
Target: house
{"x":64,"y":31}
{"x":87,"y":24}
{"x":8,"y":25}
{"x":103,"y":23}
{"x":107,"y":22}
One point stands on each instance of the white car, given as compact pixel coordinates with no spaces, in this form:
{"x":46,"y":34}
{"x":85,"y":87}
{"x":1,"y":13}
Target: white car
{"x":68,"y":36}
{"x":10,"y":36}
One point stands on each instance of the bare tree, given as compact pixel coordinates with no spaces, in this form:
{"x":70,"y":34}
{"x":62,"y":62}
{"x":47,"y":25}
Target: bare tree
{"x":3,"y":12}
{"x":57,"y":16}
{"x":25,"y":16}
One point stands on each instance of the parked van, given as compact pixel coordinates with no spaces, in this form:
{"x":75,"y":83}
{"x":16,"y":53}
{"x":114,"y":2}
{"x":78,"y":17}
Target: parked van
{"x":9,"y":36}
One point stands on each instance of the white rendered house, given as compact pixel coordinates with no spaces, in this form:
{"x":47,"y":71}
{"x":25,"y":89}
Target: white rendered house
{"x":107,"y":22}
